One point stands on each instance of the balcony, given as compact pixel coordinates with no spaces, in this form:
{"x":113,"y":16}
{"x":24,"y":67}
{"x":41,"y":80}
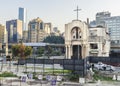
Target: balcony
{"x":93,"y":51}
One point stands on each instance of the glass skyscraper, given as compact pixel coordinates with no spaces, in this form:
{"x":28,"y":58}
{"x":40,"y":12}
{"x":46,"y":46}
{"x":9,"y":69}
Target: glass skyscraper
{"x":113,"y":24}
{"x":23,"y":17}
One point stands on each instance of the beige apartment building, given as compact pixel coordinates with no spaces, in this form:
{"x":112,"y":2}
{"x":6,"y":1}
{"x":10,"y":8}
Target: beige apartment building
{"x":2,"y":30}
{"x":15,"y":32}
{"x":3,"y":39}
{"x":36,"y":31}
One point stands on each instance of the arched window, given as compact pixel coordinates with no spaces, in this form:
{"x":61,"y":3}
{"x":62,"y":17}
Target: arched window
{"x":76,"y":33}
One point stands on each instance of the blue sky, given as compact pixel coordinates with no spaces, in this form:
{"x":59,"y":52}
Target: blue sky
{"x":59,"y":12}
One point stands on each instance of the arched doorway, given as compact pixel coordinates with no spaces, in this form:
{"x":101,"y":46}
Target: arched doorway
{"x":76,"y":34}
{"x":77,"y":52}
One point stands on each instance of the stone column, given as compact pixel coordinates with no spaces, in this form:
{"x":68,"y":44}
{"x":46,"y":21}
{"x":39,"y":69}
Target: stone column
{"x":82,"y":51}
{"x":69,"y":52}
{"x":66,"y":52}
{"x":78,"y":46}
{"x":6,"y":49}
{"x":83,"y":56}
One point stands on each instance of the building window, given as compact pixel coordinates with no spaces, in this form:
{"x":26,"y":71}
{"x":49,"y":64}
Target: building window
{"x":76,"y":33}
{"x":41,"y":25}
{"x":33,"y":26}
{"x":93,"y":46}
{"x":93,"y":32}
{"x":74,"y":37}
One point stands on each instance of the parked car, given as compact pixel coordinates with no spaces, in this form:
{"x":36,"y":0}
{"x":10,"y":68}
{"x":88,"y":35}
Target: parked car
{"x":110,"y":68}
{"x":105,"y":67}
{"x":99,"y":66}
{"x":1,"y":59}
{"x":18,"y":63}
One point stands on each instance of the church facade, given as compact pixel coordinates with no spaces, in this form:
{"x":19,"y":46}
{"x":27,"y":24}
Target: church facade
{"x":80,"y":42}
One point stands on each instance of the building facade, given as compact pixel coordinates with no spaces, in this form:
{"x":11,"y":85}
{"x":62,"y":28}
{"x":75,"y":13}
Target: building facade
{"x":99,"y":42}
{"x":25,"y":36}
{"x":2,"y":32}
{"x":14,"y":29}
{"x":55,"y":31}
{"x":82,"y":41}
{"x":100,"y":18}
{"x":48,"y":27}
{"x":76,"y":42}
{"x":3,"y":40}
{"x":111,"y":22}
{"x":36,"y":32}
{"x":23,"y":17}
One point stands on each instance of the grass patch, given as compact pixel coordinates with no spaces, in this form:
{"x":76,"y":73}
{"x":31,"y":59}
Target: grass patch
{"x":73,"y":78}
{"x":98,"y":76}
{"x":7,"y":74}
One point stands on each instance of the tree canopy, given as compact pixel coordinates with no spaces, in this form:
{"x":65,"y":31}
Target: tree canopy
{"x":40,"y":51}
{"x":21,"y":51}
{"x":54,"y":39}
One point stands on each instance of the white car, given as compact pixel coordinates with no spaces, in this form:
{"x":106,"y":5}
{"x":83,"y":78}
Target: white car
{"x":99,"y":66}
{"x":1,"y":59}
{"x":110,"y":68}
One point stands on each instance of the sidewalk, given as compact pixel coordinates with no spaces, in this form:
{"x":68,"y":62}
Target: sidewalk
{"x":104,"y":83}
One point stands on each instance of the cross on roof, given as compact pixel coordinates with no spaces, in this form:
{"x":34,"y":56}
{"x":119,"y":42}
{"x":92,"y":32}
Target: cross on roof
{"x":77,"y":10}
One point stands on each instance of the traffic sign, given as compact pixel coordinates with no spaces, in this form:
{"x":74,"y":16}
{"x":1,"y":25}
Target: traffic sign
{"x":30,"y":76}
{"x":53,"y":82}
{"x":23,"y":78}
{"x":40,"y":77}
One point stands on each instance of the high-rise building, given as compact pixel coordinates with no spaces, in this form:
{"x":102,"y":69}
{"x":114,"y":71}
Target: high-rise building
{"x":36,"y":32}
{"x":2,"y":31}
{"x":3,"y":39}
{"x":56,"y":32}
{"x":25,"y":36}
{"x":101,"y":16}
{"x":48,"y":27}
{"x":14,"y":28}
{"x":3,"y":34}
{"x":111,"y":22}
{"x":55,"y":29}
{"x":23,"y":17}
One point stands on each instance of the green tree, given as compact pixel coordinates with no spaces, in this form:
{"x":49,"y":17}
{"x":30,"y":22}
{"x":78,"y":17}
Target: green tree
{"x":1,"y":52}
{"x":28,"y":51}
{"x":15,"y":50}
{"x":21,"y":51}
{"x":40,"y":51}
{"x":48,"y":51}
{"x":54,"y":39}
